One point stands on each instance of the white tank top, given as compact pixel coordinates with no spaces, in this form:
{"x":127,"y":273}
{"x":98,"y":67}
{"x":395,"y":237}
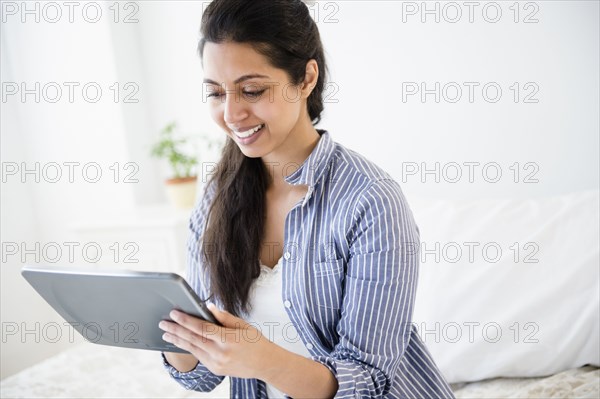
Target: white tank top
{"x":269,"y":316}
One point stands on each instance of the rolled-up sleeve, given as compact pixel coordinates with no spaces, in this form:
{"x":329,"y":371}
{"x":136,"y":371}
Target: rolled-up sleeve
{"x":382,"y":272}
{"x":200,"y":378}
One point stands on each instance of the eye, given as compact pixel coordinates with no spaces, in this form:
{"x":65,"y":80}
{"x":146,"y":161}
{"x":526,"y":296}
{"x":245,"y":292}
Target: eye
{"x":254,"y":94}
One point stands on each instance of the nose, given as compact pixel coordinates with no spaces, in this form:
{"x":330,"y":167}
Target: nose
{"x":234,"y":108}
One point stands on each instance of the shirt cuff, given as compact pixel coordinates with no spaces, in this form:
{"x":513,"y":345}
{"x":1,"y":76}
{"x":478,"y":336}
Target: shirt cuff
{"x":199,"y":377}
{"x":354,"y":380}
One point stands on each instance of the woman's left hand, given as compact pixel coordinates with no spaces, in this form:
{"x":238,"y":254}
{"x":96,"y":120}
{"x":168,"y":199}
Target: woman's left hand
{"x":237,"y":349}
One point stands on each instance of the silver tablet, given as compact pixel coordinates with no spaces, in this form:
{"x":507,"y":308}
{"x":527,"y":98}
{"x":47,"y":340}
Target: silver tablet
{"x":117,"y":308}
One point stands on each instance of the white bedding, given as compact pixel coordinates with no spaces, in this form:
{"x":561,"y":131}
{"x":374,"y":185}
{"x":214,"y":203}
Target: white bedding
{"x":529,"y":312}
{"x":95,"y":371}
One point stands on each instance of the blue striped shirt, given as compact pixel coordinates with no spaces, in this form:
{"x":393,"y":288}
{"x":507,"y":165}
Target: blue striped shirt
{"x":349,"y":281}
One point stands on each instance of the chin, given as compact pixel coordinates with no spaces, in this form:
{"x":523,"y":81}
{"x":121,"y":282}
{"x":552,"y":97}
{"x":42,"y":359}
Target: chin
{"x":252,"y":154}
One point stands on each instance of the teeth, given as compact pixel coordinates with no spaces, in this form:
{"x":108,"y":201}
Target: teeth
{"x":249,"y":132}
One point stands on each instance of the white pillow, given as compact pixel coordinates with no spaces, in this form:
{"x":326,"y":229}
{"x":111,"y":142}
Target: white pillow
{"x":534,"y":319}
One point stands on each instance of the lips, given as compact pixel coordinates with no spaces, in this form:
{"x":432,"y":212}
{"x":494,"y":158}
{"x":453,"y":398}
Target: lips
{"x":245,"y":132}
{"x":240,"y":129}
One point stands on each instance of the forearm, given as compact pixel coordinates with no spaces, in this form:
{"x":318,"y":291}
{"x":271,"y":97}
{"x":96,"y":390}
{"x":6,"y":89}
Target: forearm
{"x":183,"y":362}
{"x":298,"y":376}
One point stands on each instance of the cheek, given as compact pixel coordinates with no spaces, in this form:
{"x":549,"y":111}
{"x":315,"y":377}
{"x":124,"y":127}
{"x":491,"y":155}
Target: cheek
{"x":214,"y":110}
{"x":290,"y":95}
{"x":216,"y":113}
{"x":283,"y":105}
{"x":291,"y":102}
{"x":268,"y":112}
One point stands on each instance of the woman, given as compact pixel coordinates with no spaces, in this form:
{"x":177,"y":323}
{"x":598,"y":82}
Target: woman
{"x":302,"y":244}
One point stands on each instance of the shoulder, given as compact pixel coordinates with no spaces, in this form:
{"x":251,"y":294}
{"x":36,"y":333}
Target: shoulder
{"x":351,"y":161}
{"x":360,"y":178}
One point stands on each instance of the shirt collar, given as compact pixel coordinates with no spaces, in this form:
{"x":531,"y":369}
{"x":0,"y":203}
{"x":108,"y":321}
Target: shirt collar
{"x":313,"y":167}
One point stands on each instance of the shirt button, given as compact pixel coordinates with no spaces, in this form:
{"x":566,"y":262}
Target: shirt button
{"x":286,"y":255}
{"x":309,"y":346}
{"x":287,"y":304}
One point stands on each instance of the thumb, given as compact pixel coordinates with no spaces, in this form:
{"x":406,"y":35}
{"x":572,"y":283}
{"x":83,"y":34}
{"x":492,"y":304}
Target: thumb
{"x":224,"y":317}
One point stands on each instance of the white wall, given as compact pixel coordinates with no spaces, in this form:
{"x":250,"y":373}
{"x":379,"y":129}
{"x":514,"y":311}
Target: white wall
{"x":19,"y":224}
{"x":559,"y":133}
{"x":372,"y":55}
{"x":36,"y":212}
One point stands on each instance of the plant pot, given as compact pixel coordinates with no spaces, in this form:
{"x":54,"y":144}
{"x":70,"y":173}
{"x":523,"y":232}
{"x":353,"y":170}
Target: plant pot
{"x":181,"y":191}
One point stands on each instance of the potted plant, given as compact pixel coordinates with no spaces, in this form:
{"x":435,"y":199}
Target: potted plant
{"x":181,"y":186}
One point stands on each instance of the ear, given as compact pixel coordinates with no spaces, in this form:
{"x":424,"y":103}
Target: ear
{"x":310,"y":78}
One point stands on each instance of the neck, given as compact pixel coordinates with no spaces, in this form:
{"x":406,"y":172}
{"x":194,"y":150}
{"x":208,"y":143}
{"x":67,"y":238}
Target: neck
{"x":292,"y":153}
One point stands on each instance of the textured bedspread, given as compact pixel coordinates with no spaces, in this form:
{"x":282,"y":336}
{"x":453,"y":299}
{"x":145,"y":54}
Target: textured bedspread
{"x":583,"y":382}
{"x":94,"y":371}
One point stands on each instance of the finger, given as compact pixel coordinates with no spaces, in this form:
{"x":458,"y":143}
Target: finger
{"x":184,"y":333}
{"x":176,"y":329}
{"x":182,"y":343}
{"x":226,"y":318}
{"x":196,"y":325}
{"x":166,"y":325}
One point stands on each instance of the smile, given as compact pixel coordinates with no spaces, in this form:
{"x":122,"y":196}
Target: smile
{"x":249,"y":132}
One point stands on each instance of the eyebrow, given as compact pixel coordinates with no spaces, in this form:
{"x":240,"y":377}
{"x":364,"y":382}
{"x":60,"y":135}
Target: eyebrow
{"x":240,"y":79}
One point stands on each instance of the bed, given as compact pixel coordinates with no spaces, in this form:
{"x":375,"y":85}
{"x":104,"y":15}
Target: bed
{"x":93,"y":371}
{"x":542,"y":294}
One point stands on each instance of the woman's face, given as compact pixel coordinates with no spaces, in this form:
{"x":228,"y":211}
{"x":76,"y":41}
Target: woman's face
{"x":244,"y":92}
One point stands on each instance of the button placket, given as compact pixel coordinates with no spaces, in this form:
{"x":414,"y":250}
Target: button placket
{"x":301,"y":334}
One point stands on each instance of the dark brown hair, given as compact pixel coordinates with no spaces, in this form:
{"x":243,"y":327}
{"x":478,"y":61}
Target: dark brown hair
{"x":284,"y":32}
